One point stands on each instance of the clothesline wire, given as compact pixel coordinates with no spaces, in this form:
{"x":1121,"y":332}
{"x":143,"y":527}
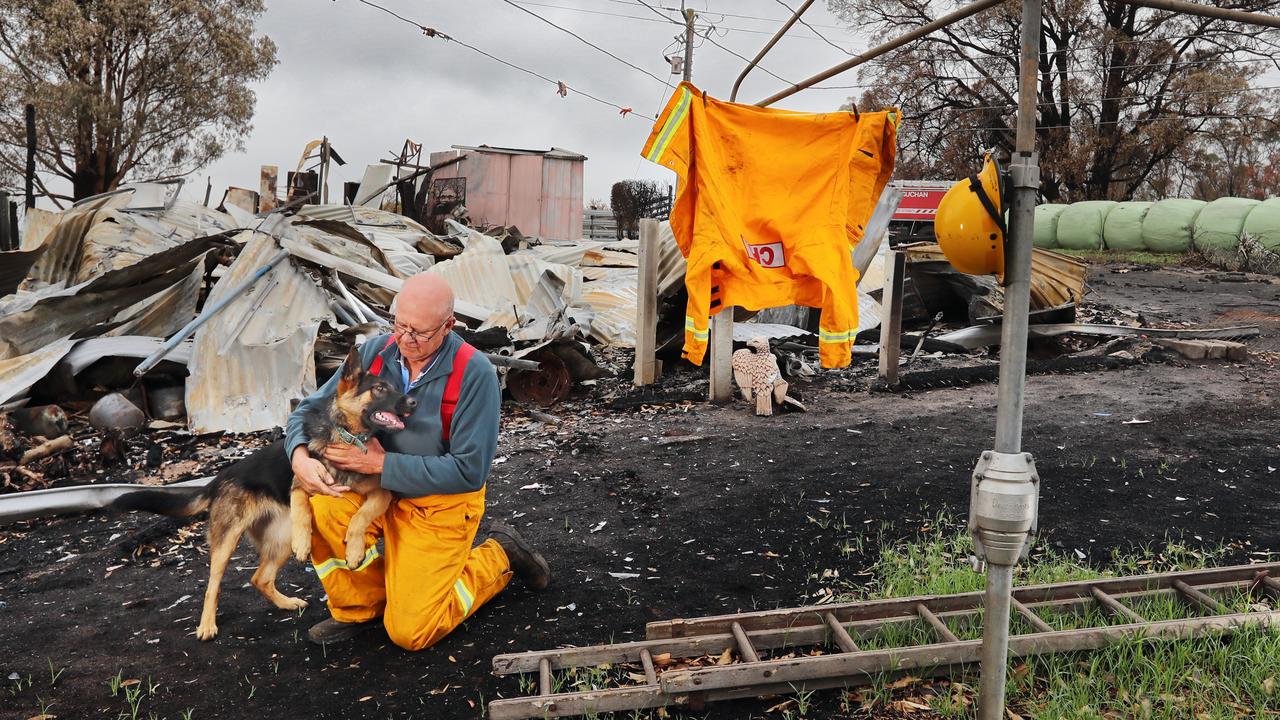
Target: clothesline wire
{"x":1094,"y":101}
{"x":1082,"y":126}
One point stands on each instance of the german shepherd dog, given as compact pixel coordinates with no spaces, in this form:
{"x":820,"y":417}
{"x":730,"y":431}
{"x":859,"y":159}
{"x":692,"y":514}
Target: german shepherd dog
{"x":259,"y":494}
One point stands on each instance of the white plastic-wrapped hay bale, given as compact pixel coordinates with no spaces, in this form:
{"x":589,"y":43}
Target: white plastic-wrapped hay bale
{"x":1046,"y":234}
{"x":1080,"y":225}
{"x":1263,"y":224}
{"x":1169,"y":224}
{"x":1217,"y":228}
{"x":1123,"y":228}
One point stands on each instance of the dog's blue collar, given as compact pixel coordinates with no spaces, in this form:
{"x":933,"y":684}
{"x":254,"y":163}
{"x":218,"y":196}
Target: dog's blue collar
{"x":353,"y":439}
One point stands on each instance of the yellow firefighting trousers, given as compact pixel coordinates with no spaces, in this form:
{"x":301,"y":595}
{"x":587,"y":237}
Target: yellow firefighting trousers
{"x":768,"y":206}
{"x":430,"y":578}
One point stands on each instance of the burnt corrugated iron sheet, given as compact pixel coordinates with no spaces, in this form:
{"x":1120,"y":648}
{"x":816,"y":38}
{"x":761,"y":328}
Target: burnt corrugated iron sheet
{"x":100,"y":300}
{"x":61,"y":259}
{"x":14,"y":266}
{"x":256,"y":355}
{"x":21,"y":372}
{"x":1056,"y":279}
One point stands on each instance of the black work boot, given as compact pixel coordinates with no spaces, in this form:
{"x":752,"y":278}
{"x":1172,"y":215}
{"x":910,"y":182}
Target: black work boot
{"x":332,"y":631}
{"x":527,"y":563}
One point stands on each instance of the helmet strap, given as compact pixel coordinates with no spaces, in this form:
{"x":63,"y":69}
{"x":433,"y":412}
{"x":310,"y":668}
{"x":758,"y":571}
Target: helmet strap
{"x":976,"y":186}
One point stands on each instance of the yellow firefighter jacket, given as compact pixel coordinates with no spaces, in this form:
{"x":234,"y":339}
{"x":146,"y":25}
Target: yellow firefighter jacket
{"x":769,"y":204}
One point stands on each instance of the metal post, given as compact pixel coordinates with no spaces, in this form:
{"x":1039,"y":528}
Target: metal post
{"x":324,"y":170}
{"x":31,"y":156}
{"x":879,"y":50}
{"x":1210,"y":11}
{"x":689,"y":15}
{"x":733,"y":94}
{"x":1003,"y":506}
{"x":722,"y":322}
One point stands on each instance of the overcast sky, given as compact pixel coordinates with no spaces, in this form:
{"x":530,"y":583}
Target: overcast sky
{"x":369,"y":81}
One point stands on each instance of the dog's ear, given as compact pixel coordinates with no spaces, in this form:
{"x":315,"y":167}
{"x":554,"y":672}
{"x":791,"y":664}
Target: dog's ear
{"x":352,"y":372}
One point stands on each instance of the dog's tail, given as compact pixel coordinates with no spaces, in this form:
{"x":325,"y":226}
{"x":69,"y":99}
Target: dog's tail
{"x":164,"y":503}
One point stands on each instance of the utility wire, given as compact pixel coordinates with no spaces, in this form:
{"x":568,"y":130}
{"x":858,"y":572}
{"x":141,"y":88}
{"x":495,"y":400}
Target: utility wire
{"x":657,"y":20}
{"x":433,"y":33}
{"x":815,"y":31}
{"x":582,"y":39}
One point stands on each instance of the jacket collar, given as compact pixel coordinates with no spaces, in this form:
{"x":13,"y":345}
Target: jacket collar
{"x":442,"y":367}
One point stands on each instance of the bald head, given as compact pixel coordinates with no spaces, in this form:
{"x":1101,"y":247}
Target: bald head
{"x":424,"y":315}
{"x":426,"y":295}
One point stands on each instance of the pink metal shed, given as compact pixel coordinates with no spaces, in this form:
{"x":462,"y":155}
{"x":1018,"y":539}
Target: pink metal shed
{"x":538,"y":191}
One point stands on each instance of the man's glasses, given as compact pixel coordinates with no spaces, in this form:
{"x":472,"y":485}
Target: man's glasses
{"x":418,"y":336}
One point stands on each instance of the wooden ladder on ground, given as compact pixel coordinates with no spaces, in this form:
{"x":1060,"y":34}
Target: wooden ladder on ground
{"x":837,"y":629}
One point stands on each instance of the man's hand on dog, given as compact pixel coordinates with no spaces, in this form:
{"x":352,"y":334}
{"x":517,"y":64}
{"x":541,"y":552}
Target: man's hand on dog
{"x":313,"y":477}
{"x":349,"y":457}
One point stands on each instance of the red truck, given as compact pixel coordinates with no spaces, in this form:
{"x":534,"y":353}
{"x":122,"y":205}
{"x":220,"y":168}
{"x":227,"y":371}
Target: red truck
{"x":914,"y":219}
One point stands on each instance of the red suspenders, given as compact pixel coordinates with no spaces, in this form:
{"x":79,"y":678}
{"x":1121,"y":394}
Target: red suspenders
{"x":452,"y":389}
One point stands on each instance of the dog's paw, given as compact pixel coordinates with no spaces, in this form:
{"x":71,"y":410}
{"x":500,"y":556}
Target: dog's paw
{"x":207,"y":632}
{"x":355,"y":555}
{"x":291,"y":603}
{"x":301,"y":549}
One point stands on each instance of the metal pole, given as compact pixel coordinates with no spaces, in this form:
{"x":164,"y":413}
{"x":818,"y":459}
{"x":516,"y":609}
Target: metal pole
{"x":204,"y":317}
{"x":733,"y":95}
{"x":689,"y":15}
{"x":1209,"y":11}
{"x":721,"y":389}
{"x":1003,"y":503}
{"x":31,"y":155}
{"x":875,"y":52}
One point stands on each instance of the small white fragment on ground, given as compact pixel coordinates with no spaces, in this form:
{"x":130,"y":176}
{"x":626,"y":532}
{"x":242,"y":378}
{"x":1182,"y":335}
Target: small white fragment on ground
{"x":499,"y":460}
{"x":1135,"y":421}
{"x":599,"y":526}
{"x":176,"y":602}
{"x":1080,"y":554}
{"x":68,"y":556}
{"x":570,"y":607}
{"x":624,"y":576}
{"x":1179,"y":498}
{"x":1102,"y":414}
{"x":532,"y":486}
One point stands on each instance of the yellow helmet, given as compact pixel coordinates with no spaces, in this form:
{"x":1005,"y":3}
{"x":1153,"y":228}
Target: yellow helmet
{"x":969,"y":224}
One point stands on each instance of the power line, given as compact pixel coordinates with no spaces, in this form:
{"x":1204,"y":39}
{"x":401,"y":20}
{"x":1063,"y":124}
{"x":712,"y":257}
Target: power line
{"x":582,"y":39}
{"x":772,"y":20}
{"x":663,"y":19}
{"x":433,"y":33}
{"x":815,"y":31}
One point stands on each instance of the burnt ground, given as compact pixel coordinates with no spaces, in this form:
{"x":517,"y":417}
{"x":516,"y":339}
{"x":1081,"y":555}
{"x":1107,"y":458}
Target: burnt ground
{"x":749,"y":515}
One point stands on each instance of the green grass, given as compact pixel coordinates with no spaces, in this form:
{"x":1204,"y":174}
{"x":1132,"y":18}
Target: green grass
{"x":1212,"y":677}
{"x":1137,"y":257}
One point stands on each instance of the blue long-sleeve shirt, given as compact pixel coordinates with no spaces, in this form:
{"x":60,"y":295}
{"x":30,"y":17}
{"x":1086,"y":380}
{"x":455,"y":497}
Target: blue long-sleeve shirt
{"x":418,"y":462}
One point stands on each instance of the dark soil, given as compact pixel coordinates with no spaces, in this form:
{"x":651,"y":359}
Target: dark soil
{"x":749,"y":516}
